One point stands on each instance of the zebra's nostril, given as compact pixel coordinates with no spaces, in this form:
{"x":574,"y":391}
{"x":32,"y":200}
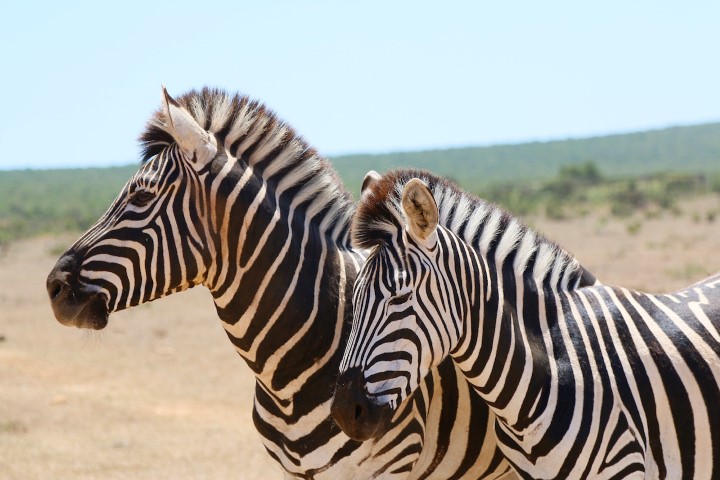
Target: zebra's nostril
{"x":358,"y":412}
{"x":54,"y":288}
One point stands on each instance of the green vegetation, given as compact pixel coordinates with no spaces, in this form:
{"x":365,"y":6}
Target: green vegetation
{"x":560,"y":178}
{"x":43,"y":201}
{"x":579,"y":188}
{"x":693,"y":149}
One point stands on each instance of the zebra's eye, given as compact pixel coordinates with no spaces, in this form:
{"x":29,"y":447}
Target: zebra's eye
{"x":140,"y":198}
{"x":399,"y":298}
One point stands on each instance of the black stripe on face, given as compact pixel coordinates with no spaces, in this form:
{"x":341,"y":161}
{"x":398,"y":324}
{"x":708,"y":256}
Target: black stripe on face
{"x":148,"y":240}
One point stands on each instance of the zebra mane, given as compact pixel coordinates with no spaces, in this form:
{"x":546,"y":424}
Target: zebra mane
{"x":255,"y":135}
{"x":481,"y":224}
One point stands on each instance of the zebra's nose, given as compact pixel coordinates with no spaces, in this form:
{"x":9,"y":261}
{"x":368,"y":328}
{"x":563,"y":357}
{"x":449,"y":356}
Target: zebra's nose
{"x":354,"y":404}
{"x":71,"y":304}
{"x":359,"y":408}
{"x":57,"y":280}
{"x":351,"y":408}
{"x":55,"y":286}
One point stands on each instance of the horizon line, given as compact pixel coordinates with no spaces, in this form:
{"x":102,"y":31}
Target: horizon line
{"x":509,"y":143}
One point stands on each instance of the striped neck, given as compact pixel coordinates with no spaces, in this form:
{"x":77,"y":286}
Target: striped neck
{"x":279,"y":221}
{"x":506,"y":301}
{"x":505,"y":352}
{"x":280,"y":280}
{"x":521,"y":256}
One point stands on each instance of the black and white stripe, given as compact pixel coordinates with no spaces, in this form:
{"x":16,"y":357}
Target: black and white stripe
{"x":229,"y":197}
{"x":585,"y":380}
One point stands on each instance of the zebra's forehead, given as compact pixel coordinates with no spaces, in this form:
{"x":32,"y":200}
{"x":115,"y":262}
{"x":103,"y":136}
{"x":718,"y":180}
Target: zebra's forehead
{"x":160,"y":166}
{"x":386,"y":267}
{"x":388,"y":253}
{"x":148,"y":174}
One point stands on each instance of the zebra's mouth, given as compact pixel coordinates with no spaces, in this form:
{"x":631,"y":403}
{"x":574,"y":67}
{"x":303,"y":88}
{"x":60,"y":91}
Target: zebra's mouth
{"x":91,"y":315}
{"x":75,"y":307}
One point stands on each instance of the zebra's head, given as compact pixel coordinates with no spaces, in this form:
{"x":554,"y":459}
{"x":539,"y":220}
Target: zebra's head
{"x":130,"y":256}
{"x":398,"y":300}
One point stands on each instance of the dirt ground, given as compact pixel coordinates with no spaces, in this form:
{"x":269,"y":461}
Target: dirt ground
{"x":161,"y":394}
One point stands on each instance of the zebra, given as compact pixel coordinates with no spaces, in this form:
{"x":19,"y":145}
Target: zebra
{"x":585,"y":380}
{"x":228,"y":196}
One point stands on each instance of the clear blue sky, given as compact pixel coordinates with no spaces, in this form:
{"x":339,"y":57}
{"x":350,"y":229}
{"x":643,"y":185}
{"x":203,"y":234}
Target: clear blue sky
{"x":80,"y":79}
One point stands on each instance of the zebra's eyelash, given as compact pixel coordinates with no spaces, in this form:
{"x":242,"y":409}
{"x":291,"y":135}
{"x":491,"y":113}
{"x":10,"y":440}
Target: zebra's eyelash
{"x":140,"y":197}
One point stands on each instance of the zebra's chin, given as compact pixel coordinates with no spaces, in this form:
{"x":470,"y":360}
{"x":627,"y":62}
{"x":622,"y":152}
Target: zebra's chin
{"x":354,"y":413}
{"x":91,"y":314}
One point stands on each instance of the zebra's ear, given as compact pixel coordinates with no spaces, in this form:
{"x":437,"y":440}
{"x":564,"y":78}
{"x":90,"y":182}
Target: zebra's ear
{"x":371,"y":178}
{"x":421,"y":212}
{"x":198,"y":144}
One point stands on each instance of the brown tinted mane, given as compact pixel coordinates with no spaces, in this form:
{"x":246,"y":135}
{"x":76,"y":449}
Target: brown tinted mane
{"x":218,"y":111}
{"x":246,"y":127}
{"x":379,"y":216}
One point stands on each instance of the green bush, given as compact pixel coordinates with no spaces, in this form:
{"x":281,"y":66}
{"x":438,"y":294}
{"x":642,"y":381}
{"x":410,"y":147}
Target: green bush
{"x":50,"y":201}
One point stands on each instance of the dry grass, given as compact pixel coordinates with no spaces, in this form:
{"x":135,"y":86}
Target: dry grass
{"x":159,"y":394}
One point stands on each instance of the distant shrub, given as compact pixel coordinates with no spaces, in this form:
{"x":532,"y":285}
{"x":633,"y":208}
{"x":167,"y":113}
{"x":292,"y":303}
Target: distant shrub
{"x":520,"y":200}
{"x":634,"y":227}
{"x":583,"y":211}
{"x":560,"y":189}
{"x":652,"y":213}
{"x":627,"y":199}
{"x":585,"y":173}
{"x":714,"y":182}
{"x":688,"y":271}
{"x":555,"y":211}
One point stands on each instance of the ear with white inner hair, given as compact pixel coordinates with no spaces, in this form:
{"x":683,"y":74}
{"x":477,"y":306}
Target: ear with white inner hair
{"x":371,"y":178}
{"x":198,"y":144}
{"x":421,"y":212}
